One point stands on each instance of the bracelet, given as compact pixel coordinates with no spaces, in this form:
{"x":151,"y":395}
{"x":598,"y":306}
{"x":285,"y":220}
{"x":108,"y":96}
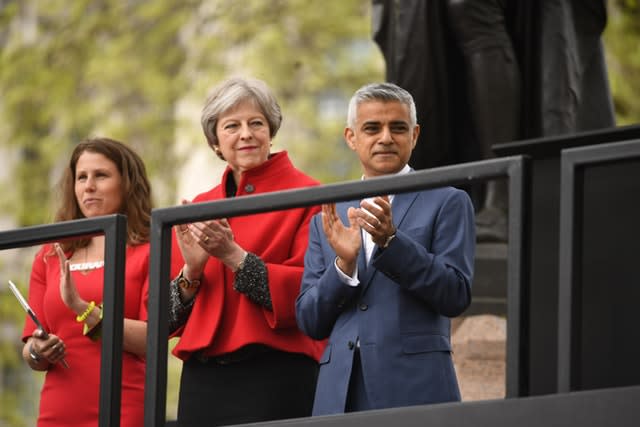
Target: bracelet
{"x":94,"y":332}
{"x":82,"y":317}
{"x":185,"y":283}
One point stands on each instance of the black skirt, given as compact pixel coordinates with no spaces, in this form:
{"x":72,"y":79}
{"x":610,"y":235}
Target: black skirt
{"x":252,"y":385}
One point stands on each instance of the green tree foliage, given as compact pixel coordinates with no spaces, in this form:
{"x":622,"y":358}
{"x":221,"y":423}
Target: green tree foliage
{"x":118,"y":68}
{"x":623,"y":58}
{"x":72,"y":70}
{"x":313,"y":54}
{"x":19,"y":387}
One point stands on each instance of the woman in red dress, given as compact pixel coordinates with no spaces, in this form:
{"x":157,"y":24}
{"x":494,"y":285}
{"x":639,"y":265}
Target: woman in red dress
{"x":103,"y":177}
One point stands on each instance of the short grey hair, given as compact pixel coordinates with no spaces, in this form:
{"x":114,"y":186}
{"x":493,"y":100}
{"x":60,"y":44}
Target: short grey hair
{"x":230,"y":93}
{"x":385,"y":92}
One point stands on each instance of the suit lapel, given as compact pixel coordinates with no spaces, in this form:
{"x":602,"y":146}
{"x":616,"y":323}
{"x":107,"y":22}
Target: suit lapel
{"x":399,"y":208}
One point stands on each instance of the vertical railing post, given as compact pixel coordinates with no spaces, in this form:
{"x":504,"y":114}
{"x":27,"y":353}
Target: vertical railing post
{"x":112,"y":323}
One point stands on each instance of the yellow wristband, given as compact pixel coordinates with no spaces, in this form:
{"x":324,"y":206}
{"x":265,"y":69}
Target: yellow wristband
{"x":87,"y":312}
{"x":95,"y":332}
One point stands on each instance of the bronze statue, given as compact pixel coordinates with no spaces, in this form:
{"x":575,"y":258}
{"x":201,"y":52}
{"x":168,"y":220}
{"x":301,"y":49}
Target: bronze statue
{"x":484,"y":72}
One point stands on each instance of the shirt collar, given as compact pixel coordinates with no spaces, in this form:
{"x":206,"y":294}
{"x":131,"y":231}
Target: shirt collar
{"x":406,"y":169}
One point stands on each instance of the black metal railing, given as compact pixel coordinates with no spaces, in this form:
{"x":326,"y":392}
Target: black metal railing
{"x":586,"y":335}
{"x":542,"y":252}
{"x":114,"y":227}
{"x":551,"y":146}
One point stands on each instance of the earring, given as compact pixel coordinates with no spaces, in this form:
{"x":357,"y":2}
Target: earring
{"x":216,"y":150}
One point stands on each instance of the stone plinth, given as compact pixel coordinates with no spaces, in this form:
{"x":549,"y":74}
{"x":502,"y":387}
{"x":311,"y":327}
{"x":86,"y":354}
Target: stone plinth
{"x":479,"y":355}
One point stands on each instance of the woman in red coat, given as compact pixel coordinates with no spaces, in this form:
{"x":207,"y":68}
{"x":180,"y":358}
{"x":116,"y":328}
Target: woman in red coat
{"x":103,"y":177}
{"x":236,"y":279}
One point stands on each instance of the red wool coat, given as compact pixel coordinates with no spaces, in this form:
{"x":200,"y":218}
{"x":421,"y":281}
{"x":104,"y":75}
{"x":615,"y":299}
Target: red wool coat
{"x":223,"y":319}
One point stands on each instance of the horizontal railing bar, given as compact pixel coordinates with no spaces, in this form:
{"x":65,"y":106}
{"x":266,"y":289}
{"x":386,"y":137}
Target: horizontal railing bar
{"x":37,"y":234}
{"x":462,"y":174}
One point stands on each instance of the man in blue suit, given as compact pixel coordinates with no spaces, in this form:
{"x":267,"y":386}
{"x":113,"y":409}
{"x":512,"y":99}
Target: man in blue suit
{"x":383,"y":276}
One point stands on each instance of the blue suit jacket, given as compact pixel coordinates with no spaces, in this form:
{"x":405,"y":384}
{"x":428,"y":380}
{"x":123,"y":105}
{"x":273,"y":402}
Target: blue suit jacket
{"x":400,"y":311}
